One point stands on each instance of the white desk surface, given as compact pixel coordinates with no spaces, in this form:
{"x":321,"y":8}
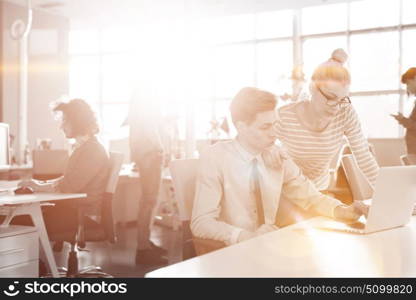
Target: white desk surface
{"x":37,"y":197}
{"x":9,"y":198}
{"x":302,"y":251}
{"x":30,"y":204}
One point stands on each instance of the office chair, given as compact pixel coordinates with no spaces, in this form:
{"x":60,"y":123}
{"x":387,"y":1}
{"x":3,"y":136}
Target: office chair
{"x":183,"y":173}
{"x":90,"y":230}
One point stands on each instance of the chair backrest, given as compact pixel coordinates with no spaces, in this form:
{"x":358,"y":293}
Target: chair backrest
{"x":360,"y":187}
{"x":116,"y":160}
{"x":107,"y":221}
{"x":408,"y":160}
{"x":49,"y":164}
{"x":121,"y":146}
{"x":183,"y":173}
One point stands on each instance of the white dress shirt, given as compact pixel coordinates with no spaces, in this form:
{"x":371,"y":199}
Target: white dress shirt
{"x":224,"y":202}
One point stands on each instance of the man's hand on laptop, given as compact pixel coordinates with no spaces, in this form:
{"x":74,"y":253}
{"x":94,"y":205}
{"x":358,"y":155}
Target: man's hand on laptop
{"x":347,"y":213}
{"x":360,"y":207}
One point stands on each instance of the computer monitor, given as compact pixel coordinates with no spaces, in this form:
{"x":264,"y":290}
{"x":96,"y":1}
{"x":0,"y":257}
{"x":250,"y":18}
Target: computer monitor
{"x":4,"y":147}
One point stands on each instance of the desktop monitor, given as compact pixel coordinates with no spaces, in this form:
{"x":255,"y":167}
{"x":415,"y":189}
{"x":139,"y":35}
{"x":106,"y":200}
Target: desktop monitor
{"x":4,"y":147}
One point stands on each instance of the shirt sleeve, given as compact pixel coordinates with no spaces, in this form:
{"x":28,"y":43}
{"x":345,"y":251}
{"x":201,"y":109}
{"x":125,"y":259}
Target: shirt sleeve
{"x":359,"y":146}
{"x":205,"y":222}
{"x":279,"y":125}
{"x":82,"y":169}
{"x":302,"y":192}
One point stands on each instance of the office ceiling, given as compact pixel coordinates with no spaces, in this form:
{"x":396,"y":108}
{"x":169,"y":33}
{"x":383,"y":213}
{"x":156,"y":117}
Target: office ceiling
{"x":104,"y":11}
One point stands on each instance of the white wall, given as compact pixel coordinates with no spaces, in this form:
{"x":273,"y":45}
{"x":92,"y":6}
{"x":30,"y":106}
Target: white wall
{"x":48,"y":76}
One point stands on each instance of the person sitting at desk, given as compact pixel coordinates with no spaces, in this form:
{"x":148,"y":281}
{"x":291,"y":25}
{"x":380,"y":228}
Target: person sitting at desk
{"x":237,"y":194}
{"x":86,"y":171}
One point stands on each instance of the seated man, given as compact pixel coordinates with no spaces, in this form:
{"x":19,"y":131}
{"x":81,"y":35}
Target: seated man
{"x":86,"y":171}
{"x":240,"y":183}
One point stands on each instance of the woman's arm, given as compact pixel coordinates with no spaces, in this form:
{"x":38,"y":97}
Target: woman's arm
{"x":359,"y":146}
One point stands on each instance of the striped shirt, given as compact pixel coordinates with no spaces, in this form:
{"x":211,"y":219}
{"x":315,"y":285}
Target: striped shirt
{"x":313,"y":151}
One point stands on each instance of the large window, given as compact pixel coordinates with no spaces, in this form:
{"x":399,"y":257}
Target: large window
{"x":374,"y":61}
{"x":246,"y":50}
{"x":204,"y":62}
{"x":318,"y":50}
{"x":274,"y":61}
{"x":335,"y":16}
{"x":374,"y":113}
{"x":379,"y":36}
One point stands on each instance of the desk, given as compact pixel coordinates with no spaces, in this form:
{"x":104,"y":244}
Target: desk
{"x":13,"y":205}
{"x":301,"y":251}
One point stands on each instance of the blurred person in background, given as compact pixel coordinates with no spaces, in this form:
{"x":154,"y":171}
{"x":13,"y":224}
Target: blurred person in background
{"x":409,"y":79}
{"x":147,"y":152}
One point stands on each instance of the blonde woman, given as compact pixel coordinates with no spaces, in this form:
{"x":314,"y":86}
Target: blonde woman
{"x":313,"y":131}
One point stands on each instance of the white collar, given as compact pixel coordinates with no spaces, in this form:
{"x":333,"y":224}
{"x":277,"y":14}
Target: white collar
{"x":247,"y":156}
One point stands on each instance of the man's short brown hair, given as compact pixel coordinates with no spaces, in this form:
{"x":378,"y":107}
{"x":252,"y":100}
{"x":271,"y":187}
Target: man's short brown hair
{"x":410,"y":74}
{"x":250,"y":101}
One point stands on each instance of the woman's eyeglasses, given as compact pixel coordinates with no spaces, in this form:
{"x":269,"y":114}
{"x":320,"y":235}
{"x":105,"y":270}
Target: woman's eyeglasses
{"x":343,"y":102}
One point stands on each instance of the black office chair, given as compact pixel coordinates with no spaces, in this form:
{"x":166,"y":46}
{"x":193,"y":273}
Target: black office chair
{"x":89,"y":229}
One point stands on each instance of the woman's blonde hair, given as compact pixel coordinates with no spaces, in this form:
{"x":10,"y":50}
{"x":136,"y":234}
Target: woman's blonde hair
{"x":333,"y":68}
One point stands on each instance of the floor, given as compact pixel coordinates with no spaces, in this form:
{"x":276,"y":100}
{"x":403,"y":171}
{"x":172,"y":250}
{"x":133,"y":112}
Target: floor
{"x":119,"y":259}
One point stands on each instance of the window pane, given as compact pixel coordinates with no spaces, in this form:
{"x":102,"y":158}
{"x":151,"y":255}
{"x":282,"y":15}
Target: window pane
{"x":378,"y":123}
{"x":318,"y":50}
{"x":117,"y":78}
{"x":222,"y":114}
{"x":117,"y":39}
{"x":409,"y":12}
{"x":203,"y":112}
{"x":83,"y":78}
{"x":113,"y":115}
{"x":234,"y":69}
{"x":374,"y":61}
{"x":409,"y":49}
{"x":200,"y":72}
{"x":83,"y":41}
{"x":274,"y":24}
{"x":227,"y":29}
{"x":274,"y":66}
{"x":335,"y":16}
{"x":374,"y":13}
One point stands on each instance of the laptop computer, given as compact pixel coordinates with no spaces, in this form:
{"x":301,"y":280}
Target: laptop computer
{"x":391,"y":206}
